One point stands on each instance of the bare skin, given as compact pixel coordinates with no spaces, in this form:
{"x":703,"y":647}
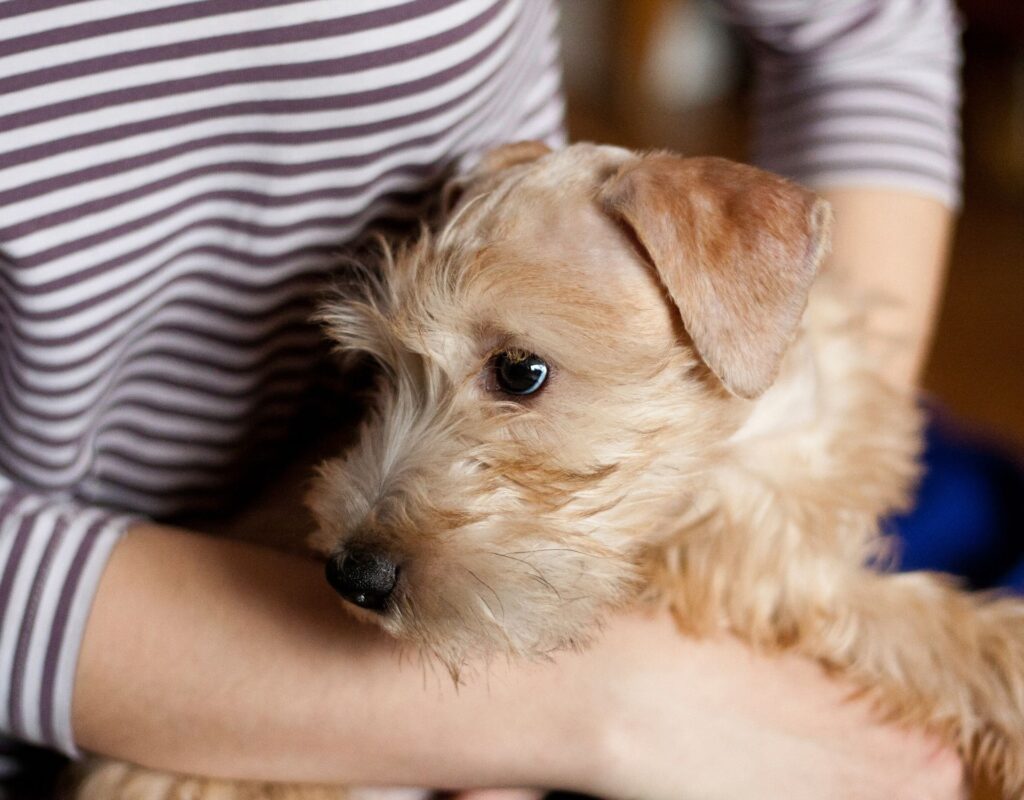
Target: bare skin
{"x":246,"y":666}
{"x":255,"y":672}
{"x":895,"y":245}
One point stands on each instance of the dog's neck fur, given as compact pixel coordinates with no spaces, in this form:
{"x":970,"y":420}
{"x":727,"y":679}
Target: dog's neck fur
{"x":728,"y":453}
{"x":802,"y":484}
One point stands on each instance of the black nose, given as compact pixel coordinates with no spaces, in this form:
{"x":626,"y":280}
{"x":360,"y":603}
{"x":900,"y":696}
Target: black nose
{"x":362,"y":576}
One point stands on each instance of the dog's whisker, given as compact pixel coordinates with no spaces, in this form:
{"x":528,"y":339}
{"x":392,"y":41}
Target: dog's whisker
{"x":689,"y":441}
{"x":499,"y":626}
{"x":547,"y":584}
{"x":490,"y":588}
{"x":536,"y":575}
{"x":560,"y":550}
{"x":459,"y":615}
{"x":485,"y":605}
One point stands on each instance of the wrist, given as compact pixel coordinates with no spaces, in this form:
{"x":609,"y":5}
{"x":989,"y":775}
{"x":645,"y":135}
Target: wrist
{"x":581,"y":722}
{"x":552,"y":722}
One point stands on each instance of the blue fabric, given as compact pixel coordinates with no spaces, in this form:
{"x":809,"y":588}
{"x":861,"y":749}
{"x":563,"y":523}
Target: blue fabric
{"x":969,"y":514}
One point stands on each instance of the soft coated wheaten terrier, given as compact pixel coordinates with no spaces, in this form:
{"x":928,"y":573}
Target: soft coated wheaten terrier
{"x":612,"y":378}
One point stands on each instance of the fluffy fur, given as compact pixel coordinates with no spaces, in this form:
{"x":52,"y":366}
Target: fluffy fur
{"x":704,"y":440}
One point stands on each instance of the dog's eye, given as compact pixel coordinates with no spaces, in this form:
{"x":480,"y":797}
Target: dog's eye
{"x":519,"y":373}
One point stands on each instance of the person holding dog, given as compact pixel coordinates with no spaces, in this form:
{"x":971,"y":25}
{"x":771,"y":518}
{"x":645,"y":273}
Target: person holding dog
{"x":173,"y":183}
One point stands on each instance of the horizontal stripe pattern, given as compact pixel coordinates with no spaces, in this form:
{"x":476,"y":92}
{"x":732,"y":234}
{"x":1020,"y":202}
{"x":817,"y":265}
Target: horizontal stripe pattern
{"x":51,"y":552}
{"x":177,"y":176}
{"x":857,"y":92}
{"x":176,"y":179}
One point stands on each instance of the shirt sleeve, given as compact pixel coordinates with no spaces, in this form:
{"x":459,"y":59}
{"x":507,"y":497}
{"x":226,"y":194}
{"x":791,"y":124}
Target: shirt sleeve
{"x":857,"y":92}
{"x":52,"y":553}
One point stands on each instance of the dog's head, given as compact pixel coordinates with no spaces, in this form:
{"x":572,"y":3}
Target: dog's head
{"x":560,"y":365}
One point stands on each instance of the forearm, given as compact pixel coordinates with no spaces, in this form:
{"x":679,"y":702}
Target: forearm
{"x":861,"y":103}
{"x":240,"y":662}
{"x":892,"y":245}
{"x":217,"y":658}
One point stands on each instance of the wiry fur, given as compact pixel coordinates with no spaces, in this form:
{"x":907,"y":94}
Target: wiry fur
{"x":636,"y":474}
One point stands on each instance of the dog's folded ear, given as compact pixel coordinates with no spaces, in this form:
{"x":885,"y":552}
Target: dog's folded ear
{"x":736,"y":248}
{"x":487,"y":168}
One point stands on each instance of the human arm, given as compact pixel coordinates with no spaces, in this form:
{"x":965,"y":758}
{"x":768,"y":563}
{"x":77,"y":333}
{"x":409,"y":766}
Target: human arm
{"x":221,"y":658}
{"x":52,"y":552}
{"x":893,"y":246}
{"x":861,"y":102}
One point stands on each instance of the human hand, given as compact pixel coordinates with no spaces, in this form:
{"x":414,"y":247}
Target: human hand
{"x":742,"y":725}
{"x":644,"y":712}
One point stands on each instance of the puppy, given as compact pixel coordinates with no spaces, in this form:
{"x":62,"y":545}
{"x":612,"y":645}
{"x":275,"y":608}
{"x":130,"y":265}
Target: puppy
{"x":612,"y":378}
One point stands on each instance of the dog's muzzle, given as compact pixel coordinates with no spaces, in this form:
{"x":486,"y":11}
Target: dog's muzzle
{"x":364,"y":577}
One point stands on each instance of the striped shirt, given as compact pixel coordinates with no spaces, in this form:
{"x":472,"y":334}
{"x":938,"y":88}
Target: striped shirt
{"x":175,"y":178}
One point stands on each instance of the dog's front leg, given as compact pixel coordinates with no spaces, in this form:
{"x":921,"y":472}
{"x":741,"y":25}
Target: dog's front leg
{"x":942,"y":658}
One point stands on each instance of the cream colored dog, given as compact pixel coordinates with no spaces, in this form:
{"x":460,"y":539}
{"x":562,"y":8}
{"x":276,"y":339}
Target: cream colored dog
{"x":606,"y":380}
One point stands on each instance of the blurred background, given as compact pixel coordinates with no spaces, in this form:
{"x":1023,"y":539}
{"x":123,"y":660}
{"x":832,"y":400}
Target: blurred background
{"x":668,"y":73}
